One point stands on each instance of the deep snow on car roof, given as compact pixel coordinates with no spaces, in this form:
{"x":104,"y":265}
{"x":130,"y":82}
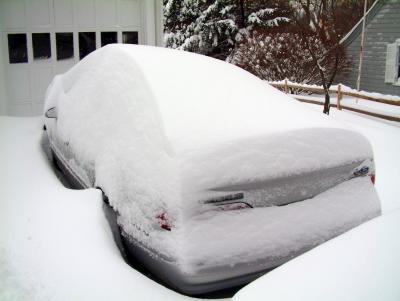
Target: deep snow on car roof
{"x":204,"y":100}
{"x":200,"y":100}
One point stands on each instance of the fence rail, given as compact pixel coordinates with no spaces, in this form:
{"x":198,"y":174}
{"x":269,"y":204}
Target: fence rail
{"x":341,"y":91}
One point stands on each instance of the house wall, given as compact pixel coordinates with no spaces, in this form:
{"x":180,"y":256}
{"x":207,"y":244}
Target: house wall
{"x":381,"y":30}
{"x":159,"y":16}
{"x":23,"y":84}
{"x":3,"y":97}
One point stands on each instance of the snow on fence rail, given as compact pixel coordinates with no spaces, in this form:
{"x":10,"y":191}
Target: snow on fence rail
{"x":342,"y":92}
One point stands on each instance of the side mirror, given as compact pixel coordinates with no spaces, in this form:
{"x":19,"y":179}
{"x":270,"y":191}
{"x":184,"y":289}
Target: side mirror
{"x":51,"y":113}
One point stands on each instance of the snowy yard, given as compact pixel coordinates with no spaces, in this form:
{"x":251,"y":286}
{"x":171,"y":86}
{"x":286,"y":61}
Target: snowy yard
{"x":55,"y":243}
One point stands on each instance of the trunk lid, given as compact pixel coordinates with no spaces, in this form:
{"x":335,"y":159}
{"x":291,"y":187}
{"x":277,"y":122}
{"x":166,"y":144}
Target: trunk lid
{"x":274,"y":170}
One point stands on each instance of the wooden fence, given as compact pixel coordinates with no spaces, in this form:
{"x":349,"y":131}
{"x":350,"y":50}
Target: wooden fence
{"x":340,"y":91}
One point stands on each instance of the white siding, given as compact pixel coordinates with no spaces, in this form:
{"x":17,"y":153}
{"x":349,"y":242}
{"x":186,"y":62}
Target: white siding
{"x":149,"y":21}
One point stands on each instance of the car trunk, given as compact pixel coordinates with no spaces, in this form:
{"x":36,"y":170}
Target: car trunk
{"x":255,"y":203}
{"x":272,"y":170}
{"x":284,"y":190}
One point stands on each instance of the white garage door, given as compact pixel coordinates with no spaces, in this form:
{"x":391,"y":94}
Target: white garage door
{"x":42,"y":38}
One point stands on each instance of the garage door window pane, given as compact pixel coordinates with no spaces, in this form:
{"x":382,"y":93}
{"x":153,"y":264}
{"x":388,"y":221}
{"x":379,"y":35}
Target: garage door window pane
{"x":108,"y":38}
{"x":130,"y":37}
{"x":41,"y":46}
{"x":17,"y":49}
{"x":64,"y":45}
{"x":87,"y":43}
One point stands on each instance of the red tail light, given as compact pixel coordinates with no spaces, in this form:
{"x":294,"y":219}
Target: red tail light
{"x":163,"y":221}
{"x":372,"y":178}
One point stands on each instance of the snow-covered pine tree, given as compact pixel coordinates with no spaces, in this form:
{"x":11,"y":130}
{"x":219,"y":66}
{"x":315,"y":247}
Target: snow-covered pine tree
{"x":215,"y":27}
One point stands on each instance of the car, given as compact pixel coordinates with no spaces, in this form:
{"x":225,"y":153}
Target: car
{"x":215,"y":177}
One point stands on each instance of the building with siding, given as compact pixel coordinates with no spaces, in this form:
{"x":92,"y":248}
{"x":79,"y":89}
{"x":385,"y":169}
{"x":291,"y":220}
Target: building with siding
{"x":381,"y":60}
{"x":42,"y":38}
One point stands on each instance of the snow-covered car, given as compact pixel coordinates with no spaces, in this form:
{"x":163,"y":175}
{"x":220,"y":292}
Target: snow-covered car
{"x":215,"y":176}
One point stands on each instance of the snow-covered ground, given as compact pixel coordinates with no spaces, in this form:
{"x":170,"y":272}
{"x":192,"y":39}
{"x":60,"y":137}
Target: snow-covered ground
{"x":385,"y":139}
{"x":362,"y":264}
{"x":391,"y":110}
{"x":360,"y":104}
{"x":55,"y":243}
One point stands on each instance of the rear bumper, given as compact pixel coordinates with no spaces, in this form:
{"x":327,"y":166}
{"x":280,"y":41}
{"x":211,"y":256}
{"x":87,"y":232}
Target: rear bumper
{"x":274,"y":236}
{"x":168,"y":272}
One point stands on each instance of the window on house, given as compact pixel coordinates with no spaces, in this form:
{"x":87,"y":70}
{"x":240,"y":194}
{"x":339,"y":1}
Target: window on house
{"x":398,"y":64}
{"x":108,"y":37}
{"x":17,"y":48}
{"x":130,"y":37}
{"x":64,"y":45}
{"x":87,"y":43}
{"x":41,"y":46}
{"x":392,"y":70}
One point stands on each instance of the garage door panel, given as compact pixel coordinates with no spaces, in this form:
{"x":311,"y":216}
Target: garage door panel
{"x":20,"y":110}
{"x":129,"y":13}
{"x":12,"y":13}
{"x":85,"y":13}
{"x":63,"y":13}
{"x":41,"y":78}
{"x":37,"y":108}
{"x":38,"y":13}
{"x":106,"y":13}
{"x":60,"y":68}
{"x":18,"y":84}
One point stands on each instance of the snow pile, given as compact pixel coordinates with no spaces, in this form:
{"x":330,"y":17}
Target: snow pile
{"x":157,"y":142}
{"x":363,"y":264}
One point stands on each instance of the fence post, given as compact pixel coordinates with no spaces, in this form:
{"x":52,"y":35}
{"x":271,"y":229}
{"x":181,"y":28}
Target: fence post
{"x":339,"y":97}
{"x":286,"y":86}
